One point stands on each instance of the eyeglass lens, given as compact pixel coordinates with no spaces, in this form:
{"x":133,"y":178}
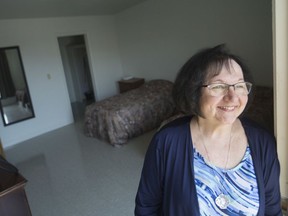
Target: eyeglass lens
{"x":242,"y":88}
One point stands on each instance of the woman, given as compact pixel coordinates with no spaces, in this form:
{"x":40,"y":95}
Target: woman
{"x":211,"y":162}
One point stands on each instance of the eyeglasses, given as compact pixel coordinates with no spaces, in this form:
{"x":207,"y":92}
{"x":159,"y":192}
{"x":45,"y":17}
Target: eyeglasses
{"x":221,"y":89}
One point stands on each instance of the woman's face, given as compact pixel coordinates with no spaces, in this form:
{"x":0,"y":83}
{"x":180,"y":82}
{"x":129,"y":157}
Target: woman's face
{"x":224,"y":109}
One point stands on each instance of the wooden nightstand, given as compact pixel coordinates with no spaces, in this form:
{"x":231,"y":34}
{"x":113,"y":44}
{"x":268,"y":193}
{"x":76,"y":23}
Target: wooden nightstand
{"x":127,"y":85}
{"x":13,"y":199}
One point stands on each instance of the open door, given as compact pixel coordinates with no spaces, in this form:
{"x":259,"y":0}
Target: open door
{"x":77,"y":72}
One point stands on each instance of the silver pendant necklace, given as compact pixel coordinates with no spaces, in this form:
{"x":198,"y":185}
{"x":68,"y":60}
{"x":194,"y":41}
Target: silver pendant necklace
{"x":222,"y":200}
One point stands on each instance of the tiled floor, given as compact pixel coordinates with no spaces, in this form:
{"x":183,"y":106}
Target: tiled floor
{"x":70,"y":174}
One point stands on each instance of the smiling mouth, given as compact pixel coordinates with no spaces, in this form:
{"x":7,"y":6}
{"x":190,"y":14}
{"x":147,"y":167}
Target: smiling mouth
{"x":227,"y":108}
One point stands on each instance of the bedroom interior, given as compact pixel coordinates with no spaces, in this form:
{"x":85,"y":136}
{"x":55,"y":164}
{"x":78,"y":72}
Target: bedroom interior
{"x":146,"y":40}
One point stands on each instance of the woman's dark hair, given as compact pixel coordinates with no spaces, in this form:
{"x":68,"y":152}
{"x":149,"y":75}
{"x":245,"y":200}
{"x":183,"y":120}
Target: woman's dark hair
{"x":201,"y":66}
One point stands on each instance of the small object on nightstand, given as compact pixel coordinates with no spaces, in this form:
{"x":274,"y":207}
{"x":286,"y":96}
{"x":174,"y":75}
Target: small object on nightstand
{"x":129,"y":84}
{"x":127,"y":77}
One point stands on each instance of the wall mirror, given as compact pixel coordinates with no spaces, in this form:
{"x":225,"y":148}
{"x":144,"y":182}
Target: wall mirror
{"x":15,"y":100}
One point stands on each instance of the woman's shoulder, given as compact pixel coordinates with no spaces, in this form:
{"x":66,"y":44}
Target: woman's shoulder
{"x":256,"y":134}
{"x":254,"y":127}
{"x":176,"y":124}
{"x":173,"y":132}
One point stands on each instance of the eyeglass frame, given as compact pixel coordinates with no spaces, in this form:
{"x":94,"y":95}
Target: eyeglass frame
{"x":227,"y":86}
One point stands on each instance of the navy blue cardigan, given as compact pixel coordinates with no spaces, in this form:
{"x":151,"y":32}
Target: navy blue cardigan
{"x":167,"y":182}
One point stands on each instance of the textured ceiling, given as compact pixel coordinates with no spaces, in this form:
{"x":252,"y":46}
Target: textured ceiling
{"x":10,"y":9}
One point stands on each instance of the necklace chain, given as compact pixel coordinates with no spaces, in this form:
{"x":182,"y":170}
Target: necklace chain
{"x":206,"y":152}
{"x":222,"y":200}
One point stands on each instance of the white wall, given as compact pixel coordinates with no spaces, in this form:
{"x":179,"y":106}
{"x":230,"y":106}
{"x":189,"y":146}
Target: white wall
{"x":158,"y":36}
{"x":40,"y":52}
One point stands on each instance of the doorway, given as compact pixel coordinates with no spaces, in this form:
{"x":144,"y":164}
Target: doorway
{"x":77,"y":73}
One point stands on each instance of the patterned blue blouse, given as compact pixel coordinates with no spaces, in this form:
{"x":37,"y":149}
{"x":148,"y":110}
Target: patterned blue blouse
{"x":239,"y":183}
{"x":167,"y":186}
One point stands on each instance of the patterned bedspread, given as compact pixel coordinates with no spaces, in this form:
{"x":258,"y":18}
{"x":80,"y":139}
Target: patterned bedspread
{"x":118,"y":118}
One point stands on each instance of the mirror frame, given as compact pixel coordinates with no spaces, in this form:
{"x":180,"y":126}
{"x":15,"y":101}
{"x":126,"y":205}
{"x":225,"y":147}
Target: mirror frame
{"x":17,"y":49}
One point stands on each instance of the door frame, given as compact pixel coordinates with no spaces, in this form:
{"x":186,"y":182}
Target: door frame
{"x":280,"y":74}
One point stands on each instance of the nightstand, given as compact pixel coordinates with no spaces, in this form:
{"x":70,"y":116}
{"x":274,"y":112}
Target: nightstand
{"x":13,"y":199}
{"x":127,"y":85}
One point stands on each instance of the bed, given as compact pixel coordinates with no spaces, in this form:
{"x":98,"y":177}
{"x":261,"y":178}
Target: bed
{"x":126,"y":115}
